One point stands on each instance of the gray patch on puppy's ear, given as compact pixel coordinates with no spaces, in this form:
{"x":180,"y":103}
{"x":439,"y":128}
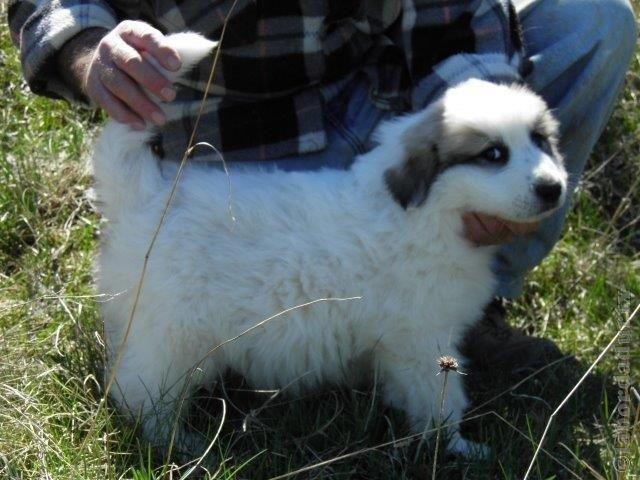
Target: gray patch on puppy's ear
{"x":409,"y":183}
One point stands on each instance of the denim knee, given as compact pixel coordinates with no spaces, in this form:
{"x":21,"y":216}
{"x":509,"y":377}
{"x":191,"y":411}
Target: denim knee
{"x":612,"y":22}
{"x":618,"y":27}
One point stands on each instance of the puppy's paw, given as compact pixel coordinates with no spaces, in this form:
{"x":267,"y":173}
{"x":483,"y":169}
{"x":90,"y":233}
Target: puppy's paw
{"x":467,"y":448}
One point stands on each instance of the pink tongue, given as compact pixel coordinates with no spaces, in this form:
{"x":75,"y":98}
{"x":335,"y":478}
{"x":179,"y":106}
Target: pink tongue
{"x":491,"y":225}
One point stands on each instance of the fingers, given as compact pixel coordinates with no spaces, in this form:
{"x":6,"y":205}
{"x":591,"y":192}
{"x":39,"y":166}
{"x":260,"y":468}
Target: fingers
{"x":483,"y":229}
{"x":129,"y":93}
{"x":121,"y":73}
{"x":105,"y":83}
{"x":130,"y":61}
{"x":116,"y":109}
{"x":143,"y":37}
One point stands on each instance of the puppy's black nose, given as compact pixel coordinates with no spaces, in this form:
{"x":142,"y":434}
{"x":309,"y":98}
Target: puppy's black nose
{"x":548,"y":192}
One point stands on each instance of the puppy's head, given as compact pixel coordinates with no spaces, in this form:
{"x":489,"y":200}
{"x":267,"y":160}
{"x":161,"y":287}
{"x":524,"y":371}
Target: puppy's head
{"x":483,"y":147}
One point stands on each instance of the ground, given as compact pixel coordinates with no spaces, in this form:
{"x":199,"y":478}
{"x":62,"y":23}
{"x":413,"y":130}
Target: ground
{"x":52,"y":423}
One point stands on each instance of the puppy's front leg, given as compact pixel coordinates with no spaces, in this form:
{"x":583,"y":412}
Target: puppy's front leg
{"x":411,"y":383}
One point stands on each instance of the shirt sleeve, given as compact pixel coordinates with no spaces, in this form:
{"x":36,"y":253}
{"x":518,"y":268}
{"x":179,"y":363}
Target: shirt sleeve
{"x":40,"y":28}
{"x":483,"y":41}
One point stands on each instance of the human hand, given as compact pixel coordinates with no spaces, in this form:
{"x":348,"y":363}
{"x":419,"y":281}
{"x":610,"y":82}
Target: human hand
{"x":481,"y":229}
{"x":119,"y":71}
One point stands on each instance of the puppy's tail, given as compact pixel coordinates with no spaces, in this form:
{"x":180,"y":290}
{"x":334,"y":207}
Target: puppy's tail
{"x":126,"y":167}
{"x":191,"y":47}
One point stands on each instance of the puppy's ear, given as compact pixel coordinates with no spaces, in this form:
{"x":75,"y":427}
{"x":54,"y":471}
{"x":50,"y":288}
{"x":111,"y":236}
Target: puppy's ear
{"x":409,"y":183}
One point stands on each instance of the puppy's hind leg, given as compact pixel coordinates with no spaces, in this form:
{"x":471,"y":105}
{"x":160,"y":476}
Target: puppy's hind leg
{"x":152,"y":389}
{"x":164,"y":426}
{"x":162,"y":414}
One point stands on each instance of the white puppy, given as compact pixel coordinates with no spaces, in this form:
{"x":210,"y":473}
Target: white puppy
{"x":389,"y":230}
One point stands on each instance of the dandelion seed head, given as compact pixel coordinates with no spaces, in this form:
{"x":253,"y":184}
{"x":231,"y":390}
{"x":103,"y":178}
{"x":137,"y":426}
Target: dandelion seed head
{"x":448,"y":364}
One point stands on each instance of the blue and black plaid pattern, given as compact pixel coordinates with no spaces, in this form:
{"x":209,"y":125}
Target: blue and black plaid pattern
{"x":276,"y":54}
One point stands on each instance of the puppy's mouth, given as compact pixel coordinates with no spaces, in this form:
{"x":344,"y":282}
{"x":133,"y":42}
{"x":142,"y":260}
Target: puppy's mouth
{"x":494,"y":225}
{"x":525,"y":214}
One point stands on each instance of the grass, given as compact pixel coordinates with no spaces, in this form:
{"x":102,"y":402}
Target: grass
{"x":51,"y":353}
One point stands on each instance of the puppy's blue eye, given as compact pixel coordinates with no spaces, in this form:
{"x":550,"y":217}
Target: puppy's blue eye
{"x":495,"y":154}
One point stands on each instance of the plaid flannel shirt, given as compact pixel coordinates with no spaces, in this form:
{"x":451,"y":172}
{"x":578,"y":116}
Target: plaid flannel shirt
{"x":266,"y":99}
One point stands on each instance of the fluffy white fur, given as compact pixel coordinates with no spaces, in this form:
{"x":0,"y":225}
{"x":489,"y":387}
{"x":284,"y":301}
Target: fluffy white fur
{"x":301,"y":236}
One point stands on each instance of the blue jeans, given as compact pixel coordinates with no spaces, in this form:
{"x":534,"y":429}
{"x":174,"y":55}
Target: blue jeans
{"x":580,"y":51}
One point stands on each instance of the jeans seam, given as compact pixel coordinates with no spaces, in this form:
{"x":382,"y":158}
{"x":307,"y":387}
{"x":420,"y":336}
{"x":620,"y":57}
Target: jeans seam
{"x":353,"y":141}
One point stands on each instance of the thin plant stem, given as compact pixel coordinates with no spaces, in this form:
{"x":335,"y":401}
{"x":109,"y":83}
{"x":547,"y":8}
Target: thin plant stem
{"x":435,"y":453}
